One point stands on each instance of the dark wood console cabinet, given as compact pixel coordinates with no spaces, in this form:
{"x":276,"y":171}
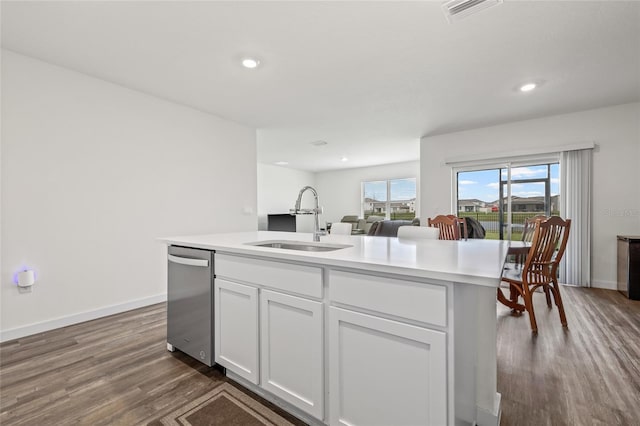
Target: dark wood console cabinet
{"x":629,"y":266}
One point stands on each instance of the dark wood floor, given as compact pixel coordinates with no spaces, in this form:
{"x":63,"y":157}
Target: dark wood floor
{"x":588,"y":374}
{"x":111,"y":371}
{"x":116,"y":370}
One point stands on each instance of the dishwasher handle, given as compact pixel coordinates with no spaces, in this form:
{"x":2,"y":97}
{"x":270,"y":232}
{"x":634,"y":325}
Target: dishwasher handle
{"x":188,"y":261}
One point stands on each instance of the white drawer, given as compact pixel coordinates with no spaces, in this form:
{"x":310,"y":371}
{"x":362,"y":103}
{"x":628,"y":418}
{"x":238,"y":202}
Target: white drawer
{"x":407,"y":299}
{"x":300,"y":279}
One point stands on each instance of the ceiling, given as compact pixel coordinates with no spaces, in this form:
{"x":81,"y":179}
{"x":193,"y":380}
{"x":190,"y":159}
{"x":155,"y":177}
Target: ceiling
{"x":369,"y":78}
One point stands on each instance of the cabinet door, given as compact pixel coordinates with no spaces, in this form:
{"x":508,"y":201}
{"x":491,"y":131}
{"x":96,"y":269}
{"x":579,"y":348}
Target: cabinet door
{"x":291,"y":356}
{"x":384,"y":372}
{"x":236,"y":328}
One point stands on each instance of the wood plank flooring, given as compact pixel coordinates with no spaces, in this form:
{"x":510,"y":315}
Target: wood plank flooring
{"x":588,"y":374}
{"x":116,"y":370}
{"x":111,"y":371}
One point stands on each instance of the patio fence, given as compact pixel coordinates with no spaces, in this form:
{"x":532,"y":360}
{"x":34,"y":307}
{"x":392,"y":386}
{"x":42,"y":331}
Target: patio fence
{"x":491,"y":221}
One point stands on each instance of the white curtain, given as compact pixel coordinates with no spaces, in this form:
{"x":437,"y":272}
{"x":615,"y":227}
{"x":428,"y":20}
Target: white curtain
{"x":575,"y":204}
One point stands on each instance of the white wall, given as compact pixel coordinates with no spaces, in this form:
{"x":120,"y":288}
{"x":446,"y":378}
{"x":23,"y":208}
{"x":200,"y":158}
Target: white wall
{"x":616,"y":165}
{"x":278,"y":189}
{"x":92,"y":174}
{"x":340,"y":190}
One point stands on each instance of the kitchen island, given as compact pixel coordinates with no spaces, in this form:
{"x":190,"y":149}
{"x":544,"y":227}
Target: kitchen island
{"x":359,"y":330}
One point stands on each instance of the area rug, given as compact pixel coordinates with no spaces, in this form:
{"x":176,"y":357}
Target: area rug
{"x":225,"y":405}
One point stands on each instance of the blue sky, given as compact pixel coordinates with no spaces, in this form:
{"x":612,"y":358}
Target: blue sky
{"x":484,"y":184}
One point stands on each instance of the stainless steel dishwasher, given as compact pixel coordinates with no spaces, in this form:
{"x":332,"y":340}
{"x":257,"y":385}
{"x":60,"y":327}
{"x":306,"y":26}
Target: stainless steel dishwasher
{"x":190,"y":302}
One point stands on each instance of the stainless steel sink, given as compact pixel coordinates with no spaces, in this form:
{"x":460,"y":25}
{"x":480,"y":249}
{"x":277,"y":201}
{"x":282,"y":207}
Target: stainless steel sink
{"x":300,"y":245}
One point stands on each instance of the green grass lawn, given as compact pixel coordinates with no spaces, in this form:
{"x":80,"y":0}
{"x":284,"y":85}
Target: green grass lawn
{"x":518,"y":218}
{"x":515,"y":236}
{"x":394,"y":216}
{"x":402,"y":216}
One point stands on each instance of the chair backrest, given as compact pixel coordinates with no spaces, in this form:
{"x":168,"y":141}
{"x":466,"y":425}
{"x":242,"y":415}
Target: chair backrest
{"x":418,"y":232}
{"x":341,"y":228}
{"x":463,"y":231}
{"x":547,"y":248}
{"x":529,"y":227}
{"x":449,"y":226}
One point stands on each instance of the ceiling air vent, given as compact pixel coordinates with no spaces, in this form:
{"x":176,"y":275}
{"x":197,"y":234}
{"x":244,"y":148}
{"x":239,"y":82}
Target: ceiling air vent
{"x":455,"y":10}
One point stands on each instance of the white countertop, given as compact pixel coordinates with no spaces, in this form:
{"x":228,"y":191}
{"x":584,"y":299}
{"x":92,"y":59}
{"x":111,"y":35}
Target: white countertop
{"x":478,"y":262}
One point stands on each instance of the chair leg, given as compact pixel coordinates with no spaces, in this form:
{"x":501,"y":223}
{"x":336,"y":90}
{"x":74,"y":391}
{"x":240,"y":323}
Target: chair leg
{"x":513,"y":294}
{"x":558,"y":299}
{"x":528,"y":302}
{"x":547,"y":295}
{"x":515,"y":306}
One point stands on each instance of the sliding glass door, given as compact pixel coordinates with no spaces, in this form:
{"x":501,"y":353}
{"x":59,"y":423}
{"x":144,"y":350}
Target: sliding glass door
{"x":503,"y":196}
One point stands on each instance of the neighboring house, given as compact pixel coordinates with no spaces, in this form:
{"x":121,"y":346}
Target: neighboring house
{"x":403,"y":206}
{"x":531,"y":204}
{"x":473,"y":205}
{"x":374,"y":206}
{"x":518,"y":204}
{"x":412,"y":205}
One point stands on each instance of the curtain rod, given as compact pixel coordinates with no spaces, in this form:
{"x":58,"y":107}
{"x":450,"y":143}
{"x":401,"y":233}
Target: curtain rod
{"x":483,"y":158}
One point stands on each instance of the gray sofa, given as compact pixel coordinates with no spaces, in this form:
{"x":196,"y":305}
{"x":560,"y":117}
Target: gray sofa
{"x":368,"y":222}
{"x":389,"y":228}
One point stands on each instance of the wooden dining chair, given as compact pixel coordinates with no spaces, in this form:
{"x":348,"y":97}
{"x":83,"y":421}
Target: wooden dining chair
{"x":463,"y":232}
{"x":449,"y":226}
{"x":529,"y":226}
{"x":540,"y":269}
{"x":527,"y":237}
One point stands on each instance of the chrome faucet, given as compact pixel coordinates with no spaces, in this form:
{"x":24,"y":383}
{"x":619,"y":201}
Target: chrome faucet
{"x":316,"y":211}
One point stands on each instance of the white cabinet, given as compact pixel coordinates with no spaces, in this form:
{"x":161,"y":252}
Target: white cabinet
{"x":384,"y":372}
{"x":426,"y":303}
{"x":272,"y":339}
{"x":236,"y":328}
{"x":386,"y":339}
{"x":291,"y":350}
{"x":289,"y":277}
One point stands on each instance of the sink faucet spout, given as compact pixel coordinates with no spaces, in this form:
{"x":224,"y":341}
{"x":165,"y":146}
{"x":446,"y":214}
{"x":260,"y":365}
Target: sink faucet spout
{"x":315,"y":212}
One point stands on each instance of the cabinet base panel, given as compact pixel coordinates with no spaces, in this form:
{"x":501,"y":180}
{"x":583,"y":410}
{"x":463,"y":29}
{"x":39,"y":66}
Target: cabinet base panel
{"x":484,"y":417}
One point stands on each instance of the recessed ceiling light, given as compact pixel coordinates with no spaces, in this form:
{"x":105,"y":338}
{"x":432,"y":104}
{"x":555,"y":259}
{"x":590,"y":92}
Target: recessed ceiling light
{"x":343,"y":159}
{"x":250,"y":63}
{"x":528,"y":87}
{"x":281,"y":163}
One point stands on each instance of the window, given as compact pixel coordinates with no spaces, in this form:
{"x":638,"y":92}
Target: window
{"x":391,"y":199}
{"x":487,"y":194}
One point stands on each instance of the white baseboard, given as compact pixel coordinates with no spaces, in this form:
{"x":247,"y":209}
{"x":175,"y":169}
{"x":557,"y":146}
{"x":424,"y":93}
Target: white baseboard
{"x":28,"y":330}
{"x":608,"y":285}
